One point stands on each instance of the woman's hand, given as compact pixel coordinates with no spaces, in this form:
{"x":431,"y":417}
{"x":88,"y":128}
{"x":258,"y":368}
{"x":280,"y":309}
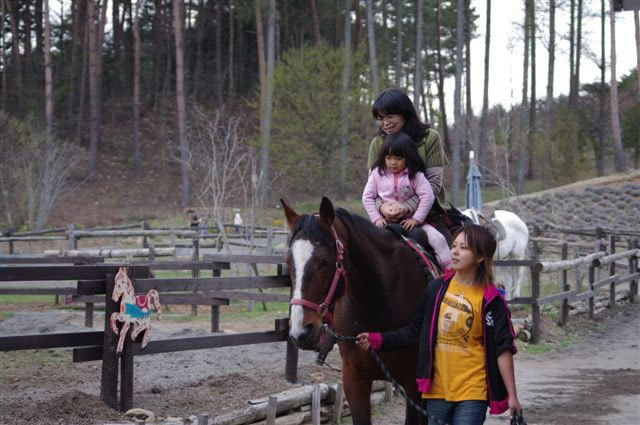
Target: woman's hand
{"x":381,"y":222}
{"x":362,"y":340}
{"x":393,"y":210}
{"x":514,"y":405}
{"x":409,"y":223}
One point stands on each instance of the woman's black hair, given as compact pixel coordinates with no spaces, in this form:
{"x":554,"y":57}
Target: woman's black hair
{"x":394,"y":101}
{"x":400,"y":144}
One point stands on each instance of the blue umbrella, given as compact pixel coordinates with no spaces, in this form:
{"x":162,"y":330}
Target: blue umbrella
{"x":472,"y":191}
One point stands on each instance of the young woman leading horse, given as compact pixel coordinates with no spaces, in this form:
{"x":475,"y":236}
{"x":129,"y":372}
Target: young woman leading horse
{"x":352,"y":276}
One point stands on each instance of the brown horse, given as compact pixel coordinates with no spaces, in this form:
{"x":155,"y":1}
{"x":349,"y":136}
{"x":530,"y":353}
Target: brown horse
{"x":355,"y":277}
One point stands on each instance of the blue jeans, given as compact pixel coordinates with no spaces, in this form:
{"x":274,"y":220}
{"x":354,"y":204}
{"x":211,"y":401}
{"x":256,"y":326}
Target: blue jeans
{"x":468,"y":412}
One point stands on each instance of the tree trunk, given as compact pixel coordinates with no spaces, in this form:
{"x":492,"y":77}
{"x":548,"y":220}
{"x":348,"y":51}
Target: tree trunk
{"x":94,"y":102}
{"x":525,"y":103}
{"x":37,"y":15}
{"x":468,"y":115}
{"x":620,"y":164}
{"x":572,"y":49}
{"x":178,"y":21}
{"x":578,"y":55}
{"x":314,"y":19}
{"x":220,"y":78}
{"x":117,"y":42}
{"x":200,"y":23}
{"x":26,"y":24}
{"x":533,"y":103}
{"x":268,"y":105}
{"x":75,"y":30}
{"x":136,"y":90}
{"x":636,"y":21}
{"x":230,"y":58}
{"x":83,"y":78}
{"x":15,"y":43}
{"x":457,"y":138}
{"x":546,"y":171}
{"x":417,"y":78}
{"x":599,"y":148}
{"x":482,"y":148}
{"x":261,"y":60}
{"x":398,"y":42}
{"x":358,"y":26}
{"x":385,"y":46}
{"x":4,"y":64}
{"x":344,"y":111}
{"x":48,"y":81}
{"x":373,"y":61}
{"x":443,"y":110}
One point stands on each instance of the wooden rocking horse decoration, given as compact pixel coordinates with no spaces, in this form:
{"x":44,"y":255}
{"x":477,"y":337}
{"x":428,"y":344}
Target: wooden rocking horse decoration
{"x":134,"y":309}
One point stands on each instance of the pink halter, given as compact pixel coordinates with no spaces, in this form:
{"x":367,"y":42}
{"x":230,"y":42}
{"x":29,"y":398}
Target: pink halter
{"x":323,"y":308}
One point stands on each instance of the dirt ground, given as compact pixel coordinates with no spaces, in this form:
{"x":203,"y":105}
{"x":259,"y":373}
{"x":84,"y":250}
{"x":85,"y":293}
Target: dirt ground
{"x":595,"y":379}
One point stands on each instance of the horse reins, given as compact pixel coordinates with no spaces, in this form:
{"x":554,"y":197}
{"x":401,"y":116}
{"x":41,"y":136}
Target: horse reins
{"x":323,"y":307}
{"x":323,"y":310}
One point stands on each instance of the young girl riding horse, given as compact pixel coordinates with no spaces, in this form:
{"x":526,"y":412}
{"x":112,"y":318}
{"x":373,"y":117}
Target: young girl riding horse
{"x":397,"y":175}
{"x":465,"y":338}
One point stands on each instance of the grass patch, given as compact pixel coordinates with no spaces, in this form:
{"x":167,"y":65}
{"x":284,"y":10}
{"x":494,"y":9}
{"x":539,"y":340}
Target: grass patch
{"x":6,"y":315}
{"x":15,"y":361}
{"x":545,"y":348}
{"x":20,"y":299}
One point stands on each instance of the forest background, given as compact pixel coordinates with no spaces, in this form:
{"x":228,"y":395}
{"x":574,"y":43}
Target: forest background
{"x":220,"y":103}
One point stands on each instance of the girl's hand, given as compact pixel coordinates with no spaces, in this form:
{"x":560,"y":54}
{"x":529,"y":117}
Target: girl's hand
{"x":393,"y":210}
{"x":381,"y":222}
{"x":409,"y":223}
{"x":514,"y":405}
{"x":362,"y":340}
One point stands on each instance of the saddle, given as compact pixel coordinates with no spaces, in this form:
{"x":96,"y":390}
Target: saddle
{"x":486,"y":218}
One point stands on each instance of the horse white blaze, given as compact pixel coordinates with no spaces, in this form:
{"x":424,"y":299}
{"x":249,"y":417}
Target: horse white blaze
{"x":301,"y":251}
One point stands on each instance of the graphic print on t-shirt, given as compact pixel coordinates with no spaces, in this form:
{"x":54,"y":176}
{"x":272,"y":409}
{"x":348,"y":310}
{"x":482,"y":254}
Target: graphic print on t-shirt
{"x":454,"y":327}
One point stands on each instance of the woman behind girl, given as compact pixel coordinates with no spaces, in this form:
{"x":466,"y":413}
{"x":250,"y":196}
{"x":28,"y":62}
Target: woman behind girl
{"x":465,"y":338}
{"x":396,"y":176}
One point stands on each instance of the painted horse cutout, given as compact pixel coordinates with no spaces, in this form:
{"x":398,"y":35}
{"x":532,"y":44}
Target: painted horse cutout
{"x":513,"y":241}
{"x":134,"y":309}
{"x":354,"y":277}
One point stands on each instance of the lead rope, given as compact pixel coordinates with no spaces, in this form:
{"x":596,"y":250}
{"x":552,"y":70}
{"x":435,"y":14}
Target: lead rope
{"x":396,"y":386}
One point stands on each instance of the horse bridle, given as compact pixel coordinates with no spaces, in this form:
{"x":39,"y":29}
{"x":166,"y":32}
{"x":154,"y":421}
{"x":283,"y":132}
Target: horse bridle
{"x":323,"y":307}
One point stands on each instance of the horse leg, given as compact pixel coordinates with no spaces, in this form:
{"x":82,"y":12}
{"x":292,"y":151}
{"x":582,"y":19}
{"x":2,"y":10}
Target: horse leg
{"x":112,"y":322}
{"x":357,"y":389}
{"x":147,"y":335}
{"x":123,"y":334}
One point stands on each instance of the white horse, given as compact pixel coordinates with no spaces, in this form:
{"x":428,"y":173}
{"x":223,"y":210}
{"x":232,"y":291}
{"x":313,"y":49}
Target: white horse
{"x":134,"y":309}
{"x":513,"y":240}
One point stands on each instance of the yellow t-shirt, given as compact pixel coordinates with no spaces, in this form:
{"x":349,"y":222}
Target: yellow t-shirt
{"x":459,"y":371}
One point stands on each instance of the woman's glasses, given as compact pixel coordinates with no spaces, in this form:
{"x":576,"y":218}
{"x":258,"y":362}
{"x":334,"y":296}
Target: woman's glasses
{"x":388,"y":118}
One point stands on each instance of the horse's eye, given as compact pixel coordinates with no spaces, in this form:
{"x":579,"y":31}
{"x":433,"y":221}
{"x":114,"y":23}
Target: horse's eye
{"x":323,"y":264}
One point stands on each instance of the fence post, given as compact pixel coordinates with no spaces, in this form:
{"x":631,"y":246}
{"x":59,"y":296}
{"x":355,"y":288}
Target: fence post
{"x":145,"y":242}
{"x":73,"y":243}
{"x":126,"y":374}
{"x":592,"y":279}
{"x":195,"y":256}
{"x":270,"y":240}
{"x":535,"y":308}
{"x":315,"y":405}
{"x":633,"y":268}
{"x":10,"y":246}
{"x":109,"y":382}
{"x":337,"y":405}
{"x":564,"y":313}
{"x":612,"y":271}
{"x":215,"y":309}
{"x":272,"y":410}
{"x":88,"y":315}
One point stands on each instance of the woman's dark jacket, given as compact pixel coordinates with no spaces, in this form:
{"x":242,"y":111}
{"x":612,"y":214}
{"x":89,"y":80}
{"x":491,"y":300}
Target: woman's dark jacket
{"x":498,"y":336}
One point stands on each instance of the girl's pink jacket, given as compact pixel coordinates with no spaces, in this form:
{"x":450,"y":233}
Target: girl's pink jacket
{"x":397,"y":187}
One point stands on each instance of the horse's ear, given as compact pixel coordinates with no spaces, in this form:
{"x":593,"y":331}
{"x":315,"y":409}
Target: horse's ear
{"x":327,"y":213}
{"x":289,"y":214}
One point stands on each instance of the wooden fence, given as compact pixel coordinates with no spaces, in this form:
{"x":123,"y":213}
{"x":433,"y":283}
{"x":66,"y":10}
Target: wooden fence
{"x":233,"y":234}
{"x":98,"y":280}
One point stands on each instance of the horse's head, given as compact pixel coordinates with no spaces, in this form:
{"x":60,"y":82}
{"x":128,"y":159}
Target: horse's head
{"x":315,"y":265}
{"x":121,"y":284}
